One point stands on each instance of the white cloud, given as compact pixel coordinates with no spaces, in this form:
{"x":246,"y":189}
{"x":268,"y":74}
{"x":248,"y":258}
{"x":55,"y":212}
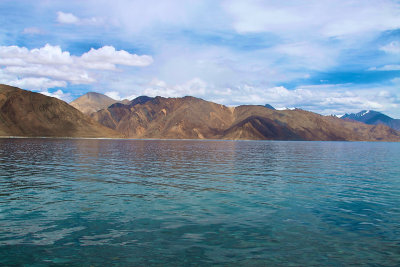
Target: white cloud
{"x":240,"y":52}
{"x":194,"y":87}
{"x":58,"y":94}
{"x":69,"y":18}
{"x":108,"y":56}
{"x":158,"y":83}
{"x":329,"y":18}
{"x":302,"y":37}
{"x":396,"y":80}
{"x":34,"y":83}
{"x":325,"y":99}
{"x":392,"y":48}
{"x":386,"y":68}
{"x":49,"y":55}
{"x":49,"y":66}
{"x":32,"y":30}
{"x":114,"y":95}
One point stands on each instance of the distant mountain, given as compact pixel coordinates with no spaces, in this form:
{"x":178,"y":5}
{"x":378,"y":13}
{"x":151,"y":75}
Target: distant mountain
{"x":194,"y":118}
{"x":138,"y":100}
{"x":374,"y":118}
{"x":269,"y":106}
{"x":24,"y":113}
{"x":92,"y":102}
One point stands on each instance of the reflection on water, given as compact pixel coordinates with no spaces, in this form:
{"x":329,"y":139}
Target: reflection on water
{"x":157,"y":202}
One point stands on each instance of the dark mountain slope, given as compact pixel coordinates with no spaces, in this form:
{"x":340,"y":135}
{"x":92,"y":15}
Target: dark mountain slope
{"x":373,"y":118}
{"x":25,"y":113}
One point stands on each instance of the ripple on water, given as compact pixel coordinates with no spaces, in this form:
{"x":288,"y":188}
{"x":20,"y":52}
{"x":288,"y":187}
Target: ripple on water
{"x":154,"y":202}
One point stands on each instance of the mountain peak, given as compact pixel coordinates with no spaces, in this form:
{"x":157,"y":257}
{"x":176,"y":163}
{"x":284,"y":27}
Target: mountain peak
{"x":373,"y":117}
{"x":140,"y":100}
{"x":92,"y":102}
{"x":97,"y":95}
{"x":269,"y":106}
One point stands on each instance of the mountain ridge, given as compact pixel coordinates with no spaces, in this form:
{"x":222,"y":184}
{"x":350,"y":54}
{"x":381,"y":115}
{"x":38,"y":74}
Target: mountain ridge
{"x":25,"y":113}
{"x":194,"y":118}
{"x":373,"y":117}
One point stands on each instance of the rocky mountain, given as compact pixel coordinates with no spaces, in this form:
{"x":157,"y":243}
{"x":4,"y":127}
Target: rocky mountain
{"x":92,"y":102}
{"x":194,"y":118}
{"x":25,"y":113}
{"x":269,"y":106}
{"x":373,"y":118}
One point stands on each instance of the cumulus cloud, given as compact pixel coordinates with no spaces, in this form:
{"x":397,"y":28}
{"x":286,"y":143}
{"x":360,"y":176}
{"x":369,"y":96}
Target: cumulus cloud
{"x":107,"y":57}
{"x":49,"y":66}
{"x":49,"y":55}
{"x":67,"y":18}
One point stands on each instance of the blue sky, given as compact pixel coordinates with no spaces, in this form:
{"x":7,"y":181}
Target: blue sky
{"x":330,"y":57}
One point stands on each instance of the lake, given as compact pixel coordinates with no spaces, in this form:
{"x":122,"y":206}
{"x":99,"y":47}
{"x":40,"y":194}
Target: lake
{"x":88,"y":202}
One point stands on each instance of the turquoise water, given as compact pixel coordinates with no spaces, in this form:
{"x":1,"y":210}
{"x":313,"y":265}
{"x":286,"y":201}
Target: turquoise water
{"x":198,"y":203}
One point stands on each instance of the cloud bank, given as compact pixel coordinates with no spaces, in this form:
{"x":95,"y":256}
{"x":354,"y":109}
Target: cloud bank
{"x":49,"y":66}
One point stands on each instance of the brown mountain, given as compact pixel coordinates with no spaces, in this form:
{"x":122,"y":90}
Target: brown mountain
{"x":24,"y":113}
{"x":194,"y":118}
{"x":92,"y":102}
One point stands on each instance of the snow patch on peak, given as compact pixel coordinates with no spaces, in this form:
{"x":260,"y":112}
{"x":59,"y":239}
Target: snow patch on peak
{"x":365,"y":112}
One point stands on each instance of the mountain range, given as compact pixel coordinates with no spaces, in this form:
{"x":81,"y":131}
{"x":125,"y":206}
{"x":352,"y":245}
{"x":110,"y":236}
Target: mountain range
{"x":373,"y":118}
{"x":194,"y":118}
{"x":24,"y":113}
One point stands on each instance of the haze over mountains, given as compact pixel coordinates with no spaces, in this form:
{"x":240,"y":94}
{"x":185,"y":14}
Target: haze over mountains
{"x":374,"y":118}
{"x":24,"y":113}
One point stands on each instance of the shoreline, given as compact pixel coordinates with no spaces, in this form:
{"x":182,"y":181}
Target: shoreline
{"x":177,"y":139}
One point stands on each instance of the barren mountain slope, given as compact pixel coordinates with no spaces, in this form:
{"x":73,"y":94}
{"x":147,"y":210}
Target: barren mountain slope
{"x":24,"y":113}
{"x":92,"y":102}
{"x":194,"y":118}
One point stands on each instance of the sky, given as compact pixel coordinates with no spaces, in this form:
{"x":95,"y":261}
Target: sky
{"x":326,"y":56}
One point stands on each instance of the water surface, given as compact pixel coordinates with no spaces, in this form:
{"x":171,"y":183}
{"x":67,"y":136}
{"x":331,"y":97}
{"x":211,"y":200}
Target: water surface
{"x":89,"y":202}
